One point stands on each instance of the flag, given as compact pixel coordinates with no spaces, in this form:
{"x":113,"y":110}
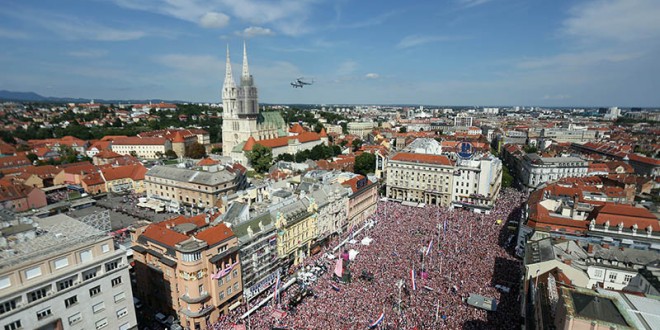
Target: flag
{"x":412,"y":277}
{"x":445,"y":226}
{"x":277,"y":285}
{"x":334,"y":287}
{"x":428,"y":249}
{"x":378,"y":321}
{"x":339,"y":267}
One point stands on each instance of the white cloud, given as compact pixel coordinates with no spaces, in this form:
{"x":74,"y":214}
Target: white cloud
{"x":579,"y":59}
{"x":372,"y":76}
{"x":88,"y":53}
{"x":254,"y":31}
{"x":12,"y":34}
{"x":416,"y":40}
{"x":614,"y":20}
{"x":214,"y":20}
{"x":472,"y":3}
{"x":346,"y":68}
{"x":556,"y":97}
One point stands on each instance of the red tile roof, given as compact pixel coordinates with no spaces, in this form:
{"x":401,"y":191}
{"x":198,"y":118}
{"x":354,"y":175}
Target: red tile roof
{"x":296,"y":128}
{"x":135,"y":172}
{"x":422,"y":158}
{"x":249,"y":144}
{"x":323,"y":133}
{"x":283,"y":141}
{"x":164,"y":235}
{"x":107,"y":154}
{"x":215,"y":234}
{"x":207,"y":162}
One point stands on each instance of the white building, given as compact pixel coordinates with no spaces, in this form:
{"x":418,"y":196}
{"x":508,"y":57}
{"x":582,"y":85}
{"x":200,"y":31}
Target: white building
{"x":62,"y":273}
{"x":145,"y":148}
{"x":477,"y":183}
{"x":462,"y":120}
{"x":536,"y":170}
{"x":361,"y":129}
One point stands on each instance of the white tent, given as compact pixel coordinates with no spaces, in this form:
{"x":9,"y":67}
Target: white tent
{"x":367,"y":241}
{"x":352,"y":253}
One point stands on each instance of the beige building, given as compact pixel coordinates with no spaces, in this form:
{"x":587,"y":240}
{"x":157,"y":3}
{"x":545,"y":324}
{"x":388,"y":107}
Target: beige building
{"x":296,"y":228}
{"x":361,"y":129}
{"x":188,"y":268}
{"x":420,"y":178}
{"x":145,"y":148}
{"x":200,"y":186}
{"x":68,"y":277}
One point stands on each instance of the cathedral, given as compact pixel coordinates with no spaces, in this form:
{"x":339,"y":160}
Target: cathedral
{"x":241,"y":116}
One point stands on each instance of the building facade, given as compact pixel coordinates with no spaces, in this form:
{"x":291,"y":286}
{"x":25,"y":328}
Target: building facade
{"x":145,"y":148}
{"x":194,"y":186}
{"x":477,"y":183}
{"x":420,"y":178}
{"x":186,"y":267}
{"x":70,"y":277}
{"x":535,"y":170}
{"x":361,"y":129}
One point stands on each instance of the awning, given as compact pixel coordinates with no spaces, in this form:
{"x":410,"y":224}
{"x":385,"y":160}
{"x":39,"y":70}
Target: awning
{"x":608,"y":239}
{"x":627,"y":241}
{"x":234,"y":305}
{"x":655,"y":246}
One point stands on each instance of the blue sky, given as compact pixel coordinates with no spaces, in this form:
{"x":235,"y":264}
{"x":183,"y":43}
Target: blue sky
{"x":442,"y":52}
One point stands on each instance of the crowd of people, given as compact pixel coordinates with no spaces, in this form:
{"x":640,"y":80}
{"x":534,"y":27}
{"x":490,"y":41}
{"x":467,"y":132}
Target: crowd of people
{"x":460,"y":252}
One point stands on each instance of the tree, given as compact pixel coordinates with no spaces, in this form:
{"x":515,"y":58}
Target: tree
{"x":216,"y":150}
{"x":285,"y":157}
{"x":32,"y":157}
{"x":171,"y":154}
{"x":336,"y":150}
{"x":196,"y":151}
{"x":302,"y":156}
{"x":507,"y":178}
{"x":318,"y":128}
{"x":530,"y":149}
{"x":158,"y":154}
{"x":357,"y":143}
{"x":260,"y":157}
{"x":403,"y":129}
{"x":365,"y":163}
{"x":133,"y":153}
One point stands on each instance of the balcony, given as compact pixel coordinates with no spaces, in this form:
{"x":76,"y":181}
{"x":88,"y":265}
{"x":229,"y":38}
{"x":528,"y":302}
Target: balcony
{"x":202,"y":312}
{"x":204,"y":296}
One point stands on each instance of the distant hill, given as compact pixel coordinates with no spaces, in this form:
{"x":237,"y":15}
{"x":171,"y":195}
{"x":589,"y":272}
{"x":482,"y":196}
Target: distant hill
{"x":34,"y":97}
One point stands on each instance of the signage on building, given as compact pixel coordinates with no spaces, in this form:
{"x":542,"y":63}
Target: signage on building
{"x":261,"y":286}
{"x":465,"y":150}
{"x":361,"y":183}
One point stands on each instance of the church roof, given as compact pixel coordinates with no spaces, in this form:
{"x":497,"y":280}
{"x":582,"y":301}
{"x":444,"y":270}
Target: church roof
{"x":323,"y":133}
{"x":249,"y":144}
{"x":297,"y":129}
{"x":283,"y":141}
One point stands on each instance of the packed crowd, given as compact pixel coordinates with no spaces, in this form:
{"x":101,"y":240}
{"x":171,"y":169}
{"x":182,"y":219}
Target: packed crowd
{"x":467,"y":255}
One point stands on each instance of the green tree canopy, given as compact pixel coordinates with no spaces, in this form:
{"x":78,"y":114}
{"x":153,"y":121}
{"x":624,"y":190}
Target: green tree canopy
{"x":260,"y":157}
{"x":195,"y":151}
{"x":285,"y":157}
{"x":171,"y":154}
{"x":365,"y":163}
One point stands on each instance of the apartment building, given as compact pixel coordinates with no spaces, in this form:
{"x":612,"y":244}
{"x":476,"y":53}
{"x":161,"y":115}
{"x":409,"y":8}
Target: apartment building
{"x":188,"y":268}
{"x":63,"y":273}
{"x":477,"y":183}
{"x":361,"y":129}
{"x":195,"y":186}
{"x":362,"y":200}
{"x":535,"y":170}
{"x":420,"y":178}
{"x":145,"y":148}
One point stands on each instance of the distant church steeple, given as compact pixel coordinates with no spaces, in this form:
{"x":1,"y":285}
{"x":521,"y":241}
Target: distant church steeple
{"x":246,"y":78}
{"x":229,"y":79}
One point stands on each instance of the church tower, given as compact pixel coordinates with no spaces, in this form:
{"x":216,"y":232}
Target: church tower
{"x":240,"y":107}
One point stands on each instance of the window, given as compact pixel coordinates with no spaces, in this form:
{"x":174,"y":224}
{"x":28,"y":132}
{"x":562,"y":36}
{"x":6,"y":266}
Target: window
{"x":14,"y":325}
{"x":100,"y":324}
{"x":612,"y":277}
{"x":68,"y":302}
{"x":90,"y":274}
{"x":33,"y":272}
{"x":120,"y":296}
{"x":37,"y":294}
{"x":222,"y":295}
{"x":598,"y":273}
{"x":229,"y":290}
{"x":235,"y":286}
{"x":61,"y":263}
{"x":64,"y":284}
{"x":98,"y":307}
{"x":627,"y":278}
{"x":5,"y":282}
{"x":234,"y":274}
{"x":86,"y":255}
{"x":7,"y":306}
{"x":122,"y":312}
{"x":105,"y":248}
{"x":94,"y":291}
{"x":75,"y":318}
{"x":112,"y":265}
{"x":201,"y":288}
{"x":44,"y":313}
{"x":125,"y":326}
{"x":116,"y":281}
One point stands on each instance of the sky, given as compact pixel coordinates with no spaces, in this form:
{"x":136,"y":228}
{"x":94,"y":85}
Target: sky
{"x":438,"y":52}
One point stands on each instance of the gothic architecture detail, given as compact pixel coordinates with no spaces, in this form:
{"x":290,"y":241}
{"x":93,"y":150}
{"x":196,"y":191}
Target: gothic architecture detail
{"x":241,"y":116}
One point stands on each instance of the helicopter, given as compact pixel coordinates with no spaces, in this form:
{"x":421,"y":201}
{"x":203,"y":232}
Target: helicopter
{"x":300,"y":82}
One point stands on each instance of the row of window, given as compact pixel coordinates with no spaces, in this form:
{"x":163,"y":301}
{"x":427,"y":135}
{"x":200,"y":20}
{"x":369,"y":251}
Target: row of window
{"x":36,"y":271}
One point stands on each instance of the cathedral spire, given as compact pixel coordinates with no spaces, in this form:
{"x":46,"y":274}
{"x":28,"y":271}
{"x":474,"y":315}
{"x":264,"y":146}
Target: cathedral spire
{"x":246,"y":71}
{"x":229,"y":79}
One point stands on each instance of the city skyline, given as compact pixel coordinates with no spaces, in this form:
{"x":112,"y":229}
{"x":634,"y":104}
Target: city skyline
{"x":461,"y":52}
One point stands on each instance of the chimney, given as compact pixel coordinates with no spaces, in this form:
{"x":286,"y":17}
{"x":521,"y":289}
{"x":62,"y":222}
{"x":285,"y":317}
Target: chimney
{"x":590,"y":248}
{"x":606,"y":246}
